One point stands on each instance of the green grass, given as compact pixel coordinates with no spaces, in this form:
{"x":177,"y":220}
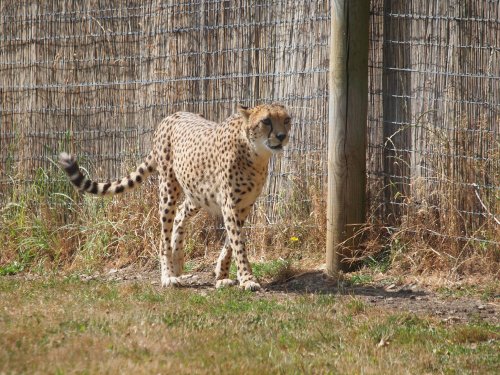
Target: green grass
{"x":485,"y":291}
{"x":360,"y":279}
{"x":67,"y":326}
{"x":12,"y":268}
{"x":271,"y":270}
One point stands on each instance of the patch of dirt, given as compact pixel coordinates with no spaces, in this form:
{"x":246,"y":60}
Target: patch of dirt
{"x":410,"y":298}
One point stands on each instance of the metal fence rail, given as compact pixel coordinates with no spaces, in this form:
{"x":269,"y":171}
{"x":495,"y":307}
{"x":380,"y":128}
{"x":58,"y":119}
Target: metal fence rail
{"x":95,"y":79}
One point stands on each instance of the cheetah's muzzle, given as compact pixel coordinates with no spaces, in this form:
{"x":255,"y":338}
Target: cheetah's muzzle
{"x":278,"y":147}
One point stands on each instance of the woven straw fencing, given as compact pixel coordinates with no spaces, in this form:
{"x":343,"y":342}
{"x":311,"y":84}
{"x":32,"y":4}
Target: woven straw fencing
{"x":95,"y":77}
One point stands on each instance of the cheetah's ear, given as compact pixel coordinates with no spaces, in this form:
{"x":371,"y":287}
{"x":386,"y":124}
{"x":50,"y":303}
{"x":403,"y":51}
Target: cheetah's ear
{"x":245,"y":111}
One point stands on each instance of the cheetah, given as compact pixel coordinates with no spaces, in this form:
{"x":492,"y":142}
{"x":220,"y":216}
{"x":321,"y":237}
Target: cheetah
{"x":218,"y":167}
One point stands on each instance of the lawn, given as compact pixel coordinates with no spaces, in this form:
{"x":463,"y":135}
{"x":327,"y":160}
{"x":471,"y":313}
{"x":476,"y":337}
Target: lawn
{"x":65,"y":326}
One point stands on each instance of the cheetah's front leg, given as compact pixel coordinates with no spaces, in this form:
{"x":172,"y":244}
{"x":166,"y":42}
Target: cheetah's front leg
{"x":233,"y":221}
{"x":222,"y":267}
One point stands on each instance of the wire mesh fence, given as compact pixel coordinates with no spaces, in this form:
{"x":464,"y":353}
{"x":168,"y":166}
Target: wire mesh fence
{"x":94,"y":78}
{"x":434,"y":139}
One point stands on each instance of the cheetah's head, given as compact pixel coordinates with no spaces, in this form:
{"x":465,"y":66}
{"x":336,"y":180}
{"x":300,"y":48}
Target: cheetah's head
{"x":267,"y":126}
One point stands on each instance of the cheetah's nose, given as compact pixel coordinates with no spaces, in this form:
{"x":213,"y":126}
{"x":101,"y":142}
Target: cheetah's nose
{"x":281,"y":136}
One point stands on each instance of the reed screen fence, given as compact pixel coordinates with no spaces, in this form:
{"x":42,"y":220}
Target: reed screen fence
{"x":95,"y":78}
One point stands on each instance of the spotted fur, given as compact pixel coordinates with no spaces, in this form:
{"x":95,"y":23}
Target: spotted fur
{"x":219,"y":167}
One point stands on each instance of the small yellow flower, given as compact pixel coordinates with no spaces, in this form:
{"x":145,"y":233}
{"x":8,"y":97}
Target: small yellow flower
{"x":294,"y":239}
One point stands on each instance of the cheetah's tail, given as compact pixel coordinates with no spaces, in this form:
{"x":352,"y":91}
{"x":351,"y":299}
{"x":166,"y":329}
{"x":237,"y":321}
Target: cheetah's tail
{"x":82,"y":183}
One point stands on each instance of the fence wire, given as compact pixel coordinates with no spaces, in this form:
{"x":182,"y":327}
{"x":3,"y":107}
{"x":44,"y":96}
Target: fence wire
{"x":434,"y":129}
{"x":95,"y":78}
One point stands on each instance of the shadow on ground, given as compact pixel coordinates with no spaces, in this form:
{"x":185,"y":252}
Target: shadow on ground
{"x":319,"y":282}
{"x":409,"y":298}
{"x":405,"y":298}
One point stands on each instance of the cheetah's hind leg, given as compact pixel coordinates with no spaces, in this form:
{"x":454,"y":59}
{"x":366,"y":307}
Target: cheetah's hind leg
{"x":169,"y":194}
{"x":186,"y":211}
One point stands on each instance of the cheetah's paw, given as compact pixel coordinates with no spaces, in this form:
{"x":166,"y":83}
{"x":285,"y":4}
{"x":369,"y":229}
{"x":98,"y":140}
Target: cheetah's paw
{"x":251,"y":285}
{"x":224,"y":283}
{"x":172,"y":281}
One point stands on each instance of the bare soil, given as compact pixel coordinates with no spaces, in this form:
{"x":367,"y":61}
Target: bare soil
{"x":411,"y":297}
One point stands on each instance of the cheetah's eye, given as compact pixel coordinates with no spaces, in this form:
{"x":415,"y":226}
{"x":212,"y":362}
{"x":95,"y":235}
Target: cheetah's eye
{"x":267,"y":121}
{"x":287,"y":120}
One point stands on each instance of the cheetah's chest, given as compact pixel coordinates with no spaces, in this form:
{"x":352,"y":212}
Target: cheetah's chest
{"x":245,"y":194}
{"x":203,"y":188}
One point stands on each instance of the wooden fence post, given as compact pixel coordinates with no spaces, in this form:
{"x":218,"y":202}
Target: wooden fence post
{"x":348,"y":101}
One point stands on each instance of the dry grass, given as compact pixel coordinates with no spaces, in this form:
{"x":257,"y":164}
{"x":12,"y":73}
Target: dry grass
{"x":66,"y":326}
{"x":51,"y":227}
{"x":446,"y":218}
